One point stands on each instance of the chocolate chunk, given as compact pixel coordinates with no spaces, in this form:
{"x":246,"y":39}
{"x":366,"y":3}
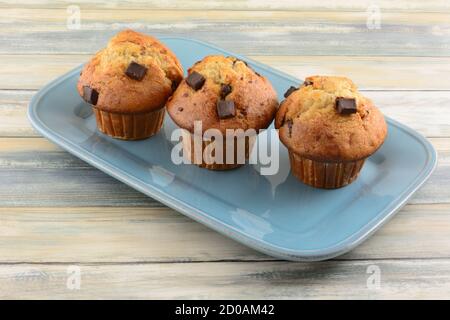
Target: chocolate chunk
{"x":195,"y":80}
{"x":307,"y":83}
{"x":90,"y":95}
{"x":225,"y":109}
{"x":346,"y":105}
{"x":225,"y":89}
{"x":289,"y":124}
{"x":174,"y":85}
{"x":289,"y":91}
{"x":136,"y":71}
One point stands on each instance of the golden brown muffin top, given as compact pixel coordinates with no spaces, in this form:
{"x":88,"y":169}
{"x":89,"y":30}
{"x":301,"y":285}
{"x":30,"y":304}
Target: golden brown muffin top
{"x":118,"y":92}
{"x":254,"y":98}
{"x":311,"y":126}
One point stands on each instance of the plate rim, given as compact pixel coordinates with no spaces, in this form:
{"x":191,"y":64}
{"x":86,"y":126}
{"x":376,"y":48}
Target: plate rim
{"x":198,"y":215}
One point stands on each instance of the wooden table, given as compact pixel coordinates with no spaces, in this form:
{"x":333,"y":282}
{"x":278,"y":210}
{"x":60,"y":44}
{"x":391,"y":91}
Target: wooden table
{"x":57,"y":212}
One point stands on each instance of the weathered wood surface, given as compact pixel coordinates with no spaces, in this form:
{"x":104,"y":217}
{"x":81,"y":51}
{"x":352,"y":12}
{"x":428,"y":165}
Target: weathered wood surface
{"x":142,"y":235}
{"x":247,"y":32}
{"x":33,"y":71}
{"x":57,"y":211}
{"x":36,"y":173}
{"x":413,"y":279}
{"x":251,"y":5}
{"x":425,"y":111}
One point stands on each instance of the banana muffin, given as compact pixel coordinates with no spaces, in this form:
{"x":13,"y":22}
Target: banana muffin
{"x":128,"y":84}
{"x":223,"y":94}
{"x":329,"y":129}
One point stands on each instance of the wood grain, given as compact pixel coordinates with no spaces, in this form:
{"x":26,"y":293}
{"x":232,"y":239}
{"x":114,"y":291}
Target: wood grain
{"x":400,"y":279}
{"x":31,"y":31}
{"x":91,"y":235}
{"x":422,"y":111}
{"x":57,"y":211}
{"x":252,"y":5}
{"x":399,"y":73}
{"x":52,"y":178}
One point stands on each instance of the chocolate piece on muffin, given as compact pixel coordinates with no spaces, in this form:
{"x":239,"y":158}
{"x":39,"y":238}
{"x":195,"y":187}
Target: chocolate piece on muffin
{"x":329,"y":129}
{"x":223,"y":93}
{"x":128,"y":84}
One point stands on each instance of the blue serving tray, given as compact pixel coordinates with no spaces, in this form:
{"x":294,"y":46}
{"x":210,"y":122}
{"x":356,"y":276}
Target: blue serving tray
{"x":277,"y":215}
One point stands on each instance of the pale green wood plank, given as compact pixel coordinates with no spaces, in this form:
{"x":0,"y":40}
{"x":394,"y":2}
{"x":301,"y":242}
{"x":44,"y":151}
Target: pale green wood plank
{"x":328,"y":5}
{"x":426,"y":112}
{"x":107,"y":235}
{"x":91,"y":187}
{"x":412,"y":279}
{"x":67,"y":187}
{"x":36,"y":177}
{"x":399,"y":73}
{"x":13,"y":113}
{"x":124,"y":235}
{"x":370,"y":73}
{"x":246,"y":32}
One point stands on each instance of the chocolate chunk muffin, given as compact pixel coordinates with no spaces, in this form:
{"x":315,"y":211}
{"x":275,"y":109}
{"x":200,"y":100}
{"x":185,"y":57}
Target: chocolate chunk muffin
{"x":329,"y":129}
{"x":128,"y":84}
{"x":222,"y":93}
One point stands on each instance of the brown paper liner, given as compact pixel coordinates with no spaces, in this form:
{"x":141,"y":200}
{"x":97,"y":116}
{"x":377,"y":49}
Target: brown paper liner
{"x":208,"y":162}
{"x":326,"y":175}
{"x":129,"y":126}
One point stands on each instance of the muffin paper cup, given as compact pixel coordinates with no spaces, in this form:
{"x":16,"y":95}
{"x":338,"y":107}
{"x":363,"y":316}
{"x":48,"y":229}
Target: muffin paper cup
{"x":326,"y":175}
{"x":207,"y":160}
{"x":129,"y":126}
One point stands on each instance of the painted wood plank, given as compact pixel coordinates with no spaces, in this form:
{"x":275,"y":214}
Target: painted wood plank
{"x":426,"y":112}
{"x":328,"y":5}
{"x":67,"y":187}
{"x":410,"y":279}
{"x":370,"y":73}
{"x":398,"y":73}
{"x":247,"y":32}
{"x":13,"y":113}
{"x":93,"y":235}
{"x":346,"y":279}
{"x":124,"y":235}
{"x":52,"y":178}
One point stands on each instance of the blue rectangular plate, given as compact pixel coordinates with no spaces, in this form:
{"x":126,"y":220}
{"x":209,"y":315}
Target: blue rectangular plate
{"x":277,"y":215}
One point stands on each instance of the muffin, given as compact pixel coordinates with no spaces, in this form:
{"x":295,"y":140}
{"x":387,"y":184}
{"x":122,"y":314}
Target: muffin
{"x":329,"y":129}
{"x":222,"y":93}
{"x":128,"y":84}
